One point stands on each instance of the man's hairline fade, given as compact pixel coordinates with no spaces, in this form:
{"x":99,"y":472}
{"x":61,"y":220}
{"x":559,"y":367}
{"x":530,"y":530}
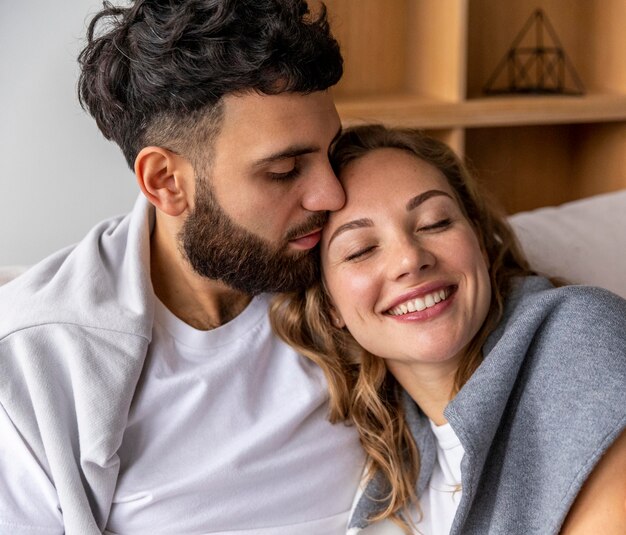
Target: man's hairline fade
{"x":191,"y":137}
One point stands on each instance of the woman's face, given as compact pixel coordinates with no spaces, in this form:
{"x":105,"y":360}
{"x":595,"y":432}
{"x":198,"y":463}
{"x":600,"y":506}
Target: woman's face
{"x":403,"y":266}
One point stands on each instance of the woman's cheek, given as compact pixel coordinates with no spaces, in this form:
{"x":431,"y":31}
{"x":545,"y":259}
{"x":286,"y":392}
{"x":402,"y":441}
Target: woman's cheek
{"x":359,"y":294}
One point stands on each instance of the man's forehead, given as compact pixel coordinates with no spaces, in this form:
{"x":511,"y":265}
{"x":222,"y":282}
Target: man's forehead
{"x":267,"y":126}
{"x":253,"y":109}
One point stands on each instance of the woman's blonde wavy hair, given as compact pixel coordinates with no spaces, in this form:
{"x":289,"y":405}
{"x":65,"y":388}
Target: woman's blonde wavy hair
{"x":361,"y":389}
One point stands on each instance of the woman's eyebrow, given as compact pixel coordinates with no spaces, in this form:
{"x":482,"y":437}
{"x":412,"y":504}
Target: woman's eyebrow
{"x":419,"y":199}
{"x":350,"y":225}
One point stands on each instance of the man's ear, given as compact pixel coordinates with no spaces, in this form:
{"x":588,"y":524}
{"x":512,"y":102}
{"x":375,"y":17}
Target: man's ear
{"x":165,"y":178}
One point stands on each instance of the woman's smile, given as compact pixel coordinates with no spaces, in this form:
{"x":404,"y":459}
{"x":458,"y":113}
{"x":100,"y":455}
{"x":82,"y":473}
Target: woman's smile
{"x":423,"y":303}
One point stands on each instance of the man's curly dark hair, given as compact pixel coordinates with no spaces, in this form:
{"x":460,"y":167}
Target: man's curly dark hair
{"x":153,"y":73}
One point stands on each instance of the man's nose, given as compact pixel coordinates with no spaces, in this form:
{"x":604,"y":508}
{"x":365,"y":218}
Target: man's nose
{"x":323,"y":191}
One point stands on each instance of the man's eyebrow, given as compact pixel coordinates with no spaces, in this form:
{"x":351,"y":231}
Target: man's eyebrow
{"x":293,"y":151}
{"x":419,"y":199}
{"x":351,"y":225}
{"x":288,"y":152}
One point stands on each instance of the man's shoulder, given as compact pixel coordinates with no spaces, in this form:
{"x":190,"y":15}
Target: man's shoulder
{"x":89,"y":284}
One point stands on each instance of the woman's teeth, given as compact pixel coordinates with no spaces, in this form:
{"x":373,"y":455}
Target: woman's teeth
{"x":419,"y":303}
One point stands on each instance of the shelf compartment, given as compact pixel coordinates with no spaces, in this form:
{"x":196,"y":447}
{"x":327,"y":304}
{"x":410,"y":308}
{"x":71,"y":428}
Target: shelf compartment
{"x":398,"y":46}
{"x":525,"y":167}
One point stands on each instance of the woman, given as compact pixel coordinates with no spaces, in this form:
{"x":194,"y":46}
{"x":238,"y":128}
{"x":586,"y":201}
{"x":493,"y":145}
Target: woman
{"x":487,"y":400}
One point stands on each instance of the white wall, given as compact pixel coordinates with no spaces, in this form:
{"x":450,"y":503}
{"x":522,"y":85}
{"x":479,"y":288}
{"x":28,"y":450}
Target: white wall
{"x":59,"y":176}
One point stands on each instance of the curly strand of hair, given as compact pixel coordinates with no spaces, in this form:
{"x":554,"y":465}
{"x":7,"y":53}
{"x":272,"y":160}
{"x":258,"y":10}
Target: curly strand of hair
{"x":101,"y":75}
{"x":385,"y":437}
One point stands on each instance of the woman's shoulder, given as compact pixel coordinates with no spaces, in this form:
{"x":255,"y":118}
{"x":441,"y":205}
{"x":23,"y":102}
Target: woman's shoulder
{"x":575,"y":347}
{"x":567,"y":399}
{"x":525,"y":290}
{"x":569,"y":342}
{"x":564,"y":312}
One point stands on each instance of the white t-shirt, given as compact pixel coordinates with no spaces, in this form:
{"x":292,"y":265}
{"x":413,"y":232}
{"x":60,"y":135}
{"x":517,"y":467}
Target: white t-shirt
{"x":440,"y":500}
{"x":228,"y":434}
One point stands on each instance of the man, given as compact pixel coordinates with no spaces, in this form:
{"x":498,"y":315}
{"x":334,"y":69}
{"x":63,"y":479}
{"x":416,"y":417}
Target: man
{"x":141,"y":388}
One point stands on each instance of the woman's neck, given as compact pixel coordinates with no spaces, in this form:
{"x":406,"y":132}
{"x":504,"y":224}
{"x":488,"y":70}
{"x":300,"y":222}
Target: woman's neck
{"x":431,"y":385}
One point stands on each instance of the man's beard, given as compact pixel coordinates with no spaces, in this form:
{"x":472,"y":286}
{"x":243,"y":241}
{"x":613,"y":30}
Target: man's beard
{"x":220,"y":249}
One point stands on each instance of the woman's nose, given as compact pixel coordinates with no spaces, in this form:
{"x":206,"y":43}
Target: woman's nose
{"x":409,"y":258}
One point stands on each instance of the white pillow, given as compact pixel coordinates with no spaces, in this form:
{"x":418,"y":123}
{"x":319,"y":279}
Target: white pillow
{"x":582,"y":241}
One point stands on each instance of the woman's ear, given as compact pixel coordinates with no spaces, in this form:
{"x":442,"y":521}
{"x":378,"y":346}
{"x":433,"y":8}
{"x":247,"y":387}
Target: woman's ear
{"x":336,"y":318}
{"x":166,"y":179}
{"x":334,"y":315}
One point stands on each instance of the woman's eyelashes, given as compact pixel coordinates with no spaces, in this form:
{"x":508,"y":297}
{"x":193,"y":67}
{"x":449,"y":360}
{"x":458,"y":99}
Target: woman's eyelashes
{"x":364,"y":251}
{"x":360,"y":253}
{"x":442,"y":224}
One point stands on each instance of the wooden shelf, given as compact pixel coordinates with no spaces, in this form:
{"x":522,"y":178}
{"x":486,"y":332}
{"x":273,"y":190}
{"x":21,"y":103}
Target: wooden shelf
{"x":408,"y":110}
{"x":423,"y":64}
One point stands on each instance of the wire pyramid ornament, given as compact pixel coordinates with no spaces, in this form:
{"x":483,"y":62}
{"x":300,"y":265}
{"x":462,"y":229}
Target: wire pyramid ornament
{"x":541,"y":68}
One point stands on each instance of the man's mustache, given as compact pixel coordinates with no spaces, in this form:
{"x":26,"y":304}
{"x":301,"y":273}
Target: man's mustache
{"x":316,"y":221}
